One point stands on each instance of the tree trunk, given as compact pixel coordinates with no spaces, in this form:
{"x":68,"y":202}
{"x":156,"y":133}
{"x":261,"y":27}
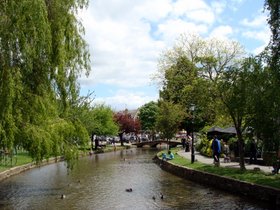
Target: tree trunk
{"x":121,"y":138}
{"x":241,"y":149}
{"x":92,"y":137}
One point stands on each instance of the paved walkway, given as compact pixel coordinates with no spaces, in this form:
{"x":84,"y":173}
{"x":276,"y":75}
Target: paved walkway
{"x":207,"y":160}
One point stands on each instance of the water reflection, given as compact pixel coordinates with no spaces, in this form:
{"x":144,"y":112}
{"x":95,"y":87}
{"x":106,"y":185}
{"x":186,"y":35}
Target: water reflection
{"x":99,"y":182}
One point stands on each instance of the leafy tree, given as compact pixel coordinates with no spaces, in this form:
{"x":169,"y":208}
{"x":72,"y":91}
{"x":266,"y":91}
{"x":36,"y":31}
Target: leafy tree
{"x":188,"y":72}
{"x":127,"y":123}
{"x":147,"y":116}
{"x":102,"y":122}
{"x":264,"y":118}
{"x":235,"y":90}
{"x":194,"y":69}
{"x":183,"y":86}
{"x":273,"y":6}
{"x":42,"y":53}
{"x":267,"y":104}
{"x":169,"y":118}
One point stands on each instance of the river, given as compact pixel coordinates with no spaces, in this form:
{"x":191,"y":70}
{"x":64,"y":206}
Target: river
{"x":100,"y":181}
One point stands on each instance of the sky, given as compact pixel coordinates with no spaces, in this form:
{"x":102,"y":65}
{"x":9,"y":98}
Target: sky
{"x":126,"y":38}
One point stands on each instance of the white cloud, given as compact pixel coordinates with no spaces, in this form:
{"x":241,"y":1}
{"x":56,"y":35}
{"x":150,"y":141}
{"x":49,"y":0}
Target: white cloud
{"x":218,"y":6}
{"x":126,"y":99}
{"x":183,"y":6}
{"x":126,"y":38}
{"x":234,"y":4}
{"x":222,"y":32}
{"x":172,"y":28}
{"x":203,"y":16}
{"x":154,"y":10}
{"x":258,"y":21}
{"x":259,"y":49}
{"x":261,"y":35}
{"x":197,"y":11}
{"x":257,"y":29}
{"x":122,"y":50}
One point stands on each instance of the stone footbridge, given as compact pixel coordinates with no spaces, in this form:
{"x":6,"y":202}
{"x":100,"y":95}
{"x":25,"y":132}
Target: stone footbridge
{"x":157,"y":142}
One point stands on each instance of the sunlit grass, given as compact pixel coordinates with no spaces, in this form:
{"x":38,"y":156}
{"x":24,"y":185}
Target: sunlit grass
{"x":108,"y":148}
{"x":251,"y":176}
{"x":19,"y":159}
{"x":23,"y":157}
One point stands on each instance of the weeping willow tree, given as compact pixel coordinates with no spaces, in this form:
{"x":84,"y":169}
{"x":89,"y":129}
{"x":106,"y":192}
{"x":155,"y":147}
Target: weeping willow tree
{"x":42,"y":53}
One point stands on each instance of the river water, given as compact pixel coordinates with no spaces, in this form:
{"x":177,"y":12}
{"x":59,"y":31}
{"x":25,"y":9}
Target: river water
{"x":100,"y":182}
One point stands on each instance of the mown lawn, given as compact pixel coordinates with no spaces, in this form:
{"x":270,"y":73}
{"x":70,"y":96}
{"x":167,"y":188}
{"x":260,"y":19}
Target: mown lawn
{"x":256,"y":177}
{"x":23,"y":157}
{"x":20,"y":159}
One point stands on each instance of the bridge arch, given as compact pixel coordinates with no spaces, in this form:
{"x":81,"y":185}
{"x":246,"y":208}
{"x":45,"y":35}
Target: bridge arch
{"x":157,"y":142}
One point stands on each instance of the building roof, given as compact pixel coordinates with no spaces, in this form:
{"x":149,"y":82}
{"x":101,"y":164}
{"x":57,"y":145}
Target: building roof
{"x":215,"y":129}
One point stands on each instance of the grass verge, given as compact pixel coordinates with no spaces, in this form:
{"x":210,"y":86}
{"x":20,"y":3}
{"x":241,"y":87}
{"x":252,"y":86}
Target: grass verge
{"x":251,"y":176}
{"x":23,"y":157}
{"x":16,"y":160}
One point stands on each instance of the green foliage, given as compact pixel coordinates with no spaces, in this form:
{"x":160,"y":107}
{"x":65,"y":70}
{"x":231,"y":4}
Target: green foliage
{"x":273,"y":6}
{"x":71,"y":154}
{"x":147,"y":115}
{"x":103,"y":121}
{"x":190,"y":71}
{"x":268,"y":124}
{"x":169,"y":118}
{"x":204,"y":146}
{"x":42,"y":53}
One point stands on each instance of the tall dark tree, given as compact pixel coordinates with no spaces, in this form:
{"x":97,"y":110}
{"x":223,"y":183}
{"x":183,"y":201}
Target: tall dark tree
{"x":273,"y":6}
{"x":236,"y":89}
{"x":267,"y":79}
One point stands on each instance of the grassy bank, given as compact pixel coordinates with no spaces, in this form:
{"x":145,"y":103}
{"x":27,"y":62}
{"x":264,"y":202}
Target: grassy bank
{"x":110,"y":148}
{"x":23,"y":157}
{"x":16,"y":160}
{"x":251,"y":176}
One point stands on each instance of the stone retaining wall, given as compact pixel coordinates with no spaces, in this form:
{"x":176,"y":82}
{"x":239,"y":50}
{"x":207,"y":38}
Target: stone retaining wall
{"x":258,"y":192}
{"x":16,"y":170}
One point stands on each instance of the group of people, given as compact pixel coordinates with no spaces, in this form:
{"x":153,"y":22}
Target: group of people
{"x":186,"y":143}
{"x":217,"y":150}
{"x":218,"y":147}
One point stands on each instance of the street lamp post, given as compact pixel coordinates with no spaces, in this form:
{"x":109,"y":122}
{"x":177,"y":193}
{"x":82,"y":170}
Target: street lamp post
{"x":192,"y":148}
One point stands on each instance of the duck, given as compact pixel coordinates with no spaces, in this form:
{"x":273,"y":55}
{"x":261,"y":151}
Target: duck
{"x":128,"y":190}
{"x":154,"y":198}
{"x":62,"y":196}
{"x":161,"y":196}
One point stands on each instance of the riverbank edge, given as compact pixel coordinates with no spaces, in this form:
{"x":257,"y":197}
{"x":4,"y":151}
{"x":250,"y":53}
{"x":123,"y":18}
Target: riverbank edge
{"x":261,"y":193}
{"x":19,"y":169}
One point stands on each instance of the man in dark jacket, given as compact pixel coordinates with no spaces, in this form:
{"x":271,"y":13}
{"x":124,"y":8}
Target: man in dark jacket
{"x":253,"y":152}
{"x":216,"y":148}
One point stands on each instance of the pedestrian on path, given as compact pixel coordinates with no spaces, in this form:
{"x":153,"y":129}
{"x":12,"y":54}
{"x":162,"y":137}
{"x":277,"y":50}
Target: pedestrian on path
{"x":253,"y":152}
{"x":216,"y":148}
{"x":226,"y":153}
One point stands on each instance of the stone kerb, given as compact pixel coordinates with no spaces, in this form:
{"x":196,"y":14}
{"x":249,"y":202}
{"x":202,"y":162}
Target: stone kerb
{"x":19,"y":169}
{"x":257,"y":192}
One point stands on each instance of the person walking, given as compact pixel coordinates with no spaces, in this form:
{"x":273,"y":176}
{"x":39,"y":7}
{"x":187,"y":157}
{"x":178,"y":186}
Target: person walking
{"x":216,"y":148}
{"x":183,"y":143}
{"x":253,"y":152}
